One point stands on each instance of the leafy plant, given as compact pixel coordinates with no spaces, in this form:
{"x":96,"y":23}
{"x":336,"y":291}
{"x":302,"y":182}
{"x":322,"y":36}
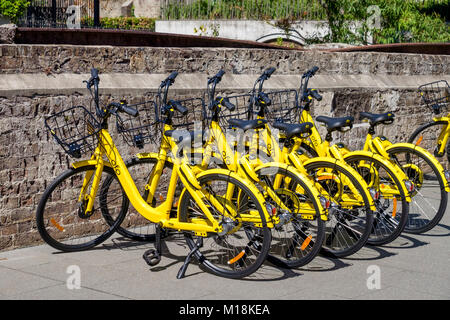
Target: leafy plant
{"x":127,"y":23}
{"x":13,"y":9}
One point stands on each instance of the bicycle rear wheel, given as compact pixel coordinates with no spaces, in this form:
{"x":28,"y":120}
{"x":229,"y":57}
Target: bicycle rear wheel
{"x":392,"y":208}
{"x":243,"y":246}
{"x":62,"y":220}
{"x":429,"y":200}
{"x":297,"y":241}
{"x":348,"y":228}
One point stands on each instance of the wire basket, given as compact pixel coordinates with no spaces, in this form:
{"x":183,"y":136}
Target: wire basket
{"x":283,"y":107}
{"x":194,"y":120}
{"x":436,"y":95}
{"x":142,"y":129}
{"x":242,"y":111}
{"x":75,"y":130}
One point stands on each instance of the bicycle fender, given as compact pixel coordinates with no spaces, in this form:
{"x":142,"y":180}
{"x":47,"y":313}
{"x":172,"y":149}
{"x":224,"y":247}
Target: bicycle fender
{"x":247,"y":183}
{"x":427,"y":154}
{"x":300,"y":176}
{"x":400,"y":175}
{"x":352,"y":171}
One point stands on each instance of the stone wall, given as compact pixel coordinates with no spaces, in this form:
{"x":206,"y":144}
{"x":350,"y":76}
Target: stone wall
{"x":30,"y":160}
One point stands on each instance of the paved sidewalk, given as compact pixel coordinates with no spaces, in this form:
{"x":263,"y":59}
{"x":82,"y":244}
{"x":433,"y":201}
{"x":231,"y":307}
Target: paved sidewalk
{"x":412,"y":267}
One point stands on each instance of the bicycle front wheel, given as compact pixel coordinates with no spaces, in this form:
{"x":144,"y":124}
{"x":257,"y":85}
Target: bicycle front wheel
{"x":243,"y":246}
{"x":62,"y":220}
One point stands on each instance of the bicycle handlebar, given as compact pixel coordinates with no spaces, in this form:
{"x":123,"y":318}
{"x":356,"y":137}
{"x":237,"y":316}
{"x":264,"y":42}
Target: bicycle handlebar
{"x":268,"y":72}
{"x":178,"y":106}
{"x":226,"y":102}
{"x":315,"y":94}
{"x":217,"y":78}
{"x":124,"y":108}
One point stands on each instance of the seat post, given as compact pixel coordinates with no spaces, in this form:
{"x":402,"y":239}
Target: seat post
{"x":329,"y":136}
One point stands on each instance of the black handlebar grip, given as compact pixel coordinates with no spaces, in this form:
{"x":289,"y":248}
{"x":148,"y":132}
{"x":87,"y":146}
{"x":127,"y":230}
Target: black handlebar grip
{"x":94,"y":73}
{"x":219,"y":75}
{"x":269,"y":72}
{"x":314,"y":70}
{"x":131,"y":111}
{"x":315,"y":94}
{"x":226,"y":102}
{"x":172,"y":76}
{"x":179,"y":107}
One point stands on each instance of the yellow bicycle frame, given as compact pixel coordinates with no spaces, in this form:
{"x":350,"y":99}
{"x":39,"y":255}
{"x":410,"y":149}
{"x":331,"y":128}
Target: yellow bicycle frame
{"x":181,"y":170}
{"x":323,"y":148}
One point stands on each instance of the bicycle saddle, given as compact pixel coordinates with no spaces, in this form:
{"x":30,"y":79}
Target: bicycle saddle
{"x":247,"y":124}
{"x":183,"y":135}
{"x":339,"y":124}
{"x":377,"y":118}
{"x":293,"y":129}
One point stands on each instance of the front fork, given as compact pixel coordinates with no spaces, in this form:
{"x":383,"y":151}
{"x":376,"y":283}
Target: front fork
{"x":86,"y":198}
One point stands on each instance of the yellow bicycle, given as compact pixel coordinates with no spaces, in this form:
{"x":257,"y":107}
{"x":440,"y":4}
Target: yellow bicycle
{"x":425,"y":182}
{"x":226,"y":222}
{"x":350,"y":214}
{"x":297,"y":207}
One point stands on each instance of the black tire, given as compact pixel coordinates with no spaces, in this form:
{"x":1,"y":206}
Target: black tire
{"x":297,"y":242}
{"x":353,"y":236}
{"x":134,"y":225}
{"x":392,"y":213}
{"x":219,"y":255}
{"x":428,"y":134}
{"x":88,"y":231}
{"x":429,"y":201}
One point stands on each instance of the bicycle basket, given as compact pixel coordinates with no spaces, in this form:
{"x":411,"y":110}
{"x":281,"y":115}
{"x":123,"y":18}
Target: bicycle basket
{"x":436,"y":95}
{"x":241,"y":111}
{"x":75,"y":130}
{"x":195,"y":117}
{"x":142,"y":129}
{"x":283,"y":107}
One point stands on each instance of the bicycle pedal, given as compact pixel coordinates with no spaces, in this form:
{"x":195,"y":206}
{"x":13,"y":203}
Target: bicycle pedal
{"x":152,"y":257}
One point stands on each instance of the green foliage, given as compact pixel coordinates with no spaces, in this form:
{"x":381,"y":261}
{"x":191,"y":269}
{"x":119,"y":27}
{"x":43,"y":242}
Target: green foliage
{"x":127,"y":23}
{"x":13,"y":9}
{"x":400,"y":21}
{"x":244,"y":9}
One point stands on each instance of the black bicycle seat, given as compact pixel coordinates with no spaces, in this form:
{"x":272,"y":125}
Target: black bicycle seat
{"x":377,"y":118}
{"x":293,"y":129}
{"x":183,"y":135}
{"x":247,"y":124}
{"x":338,"y":124}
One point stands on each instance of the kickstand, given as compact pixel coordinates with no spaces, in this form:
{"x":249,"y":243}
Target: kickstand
{"x":153,"y":256}
{"x":183,"y":268}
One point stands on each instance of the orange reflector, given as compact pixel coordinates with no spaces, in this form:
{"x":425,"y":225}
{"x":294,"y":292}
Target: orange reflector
{"x":161,"y":198}
{"x":56,"y":224}
{"x":325,"y":177}
{"x":419,"y":140}
{"x":175,"y":205}
{"x":394,"y":207}
{"x":306,"y":242}
{"x":240,"y":255}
